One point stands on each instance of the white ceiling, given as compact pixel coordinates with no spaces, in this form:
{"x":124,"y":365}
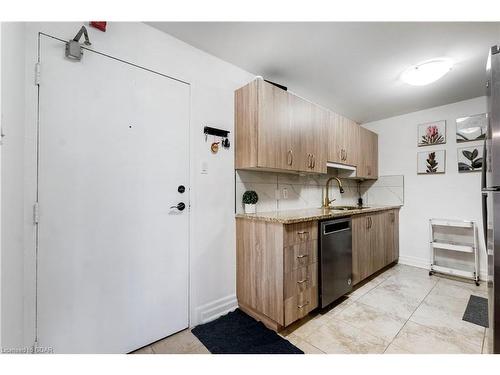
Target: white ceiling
{"x":352,"y":68}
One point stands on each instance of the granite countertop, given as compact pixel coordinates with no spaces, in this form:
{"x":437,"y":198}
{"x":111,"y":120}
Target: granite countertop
{"x":309,"y":214}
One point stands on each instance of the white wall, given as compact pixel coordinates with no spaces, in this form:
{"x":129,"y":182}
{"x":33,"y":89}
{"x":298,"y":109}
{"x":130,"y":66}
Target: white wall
{"x":451,"y":195}
{"x":12,"y":150}
{"x":213,"y":81}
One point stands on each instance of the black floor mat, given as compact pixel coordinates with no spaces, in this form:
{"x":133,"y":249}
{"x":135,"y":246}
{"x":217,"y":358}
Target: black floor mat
{"x":477,"y":311}
{"x":238,"y":333}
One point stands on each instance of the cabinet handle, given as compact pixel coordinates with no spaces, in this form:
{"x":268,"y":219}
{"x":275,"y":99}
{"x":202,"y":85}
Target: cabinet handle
{"x":313,"y":160}
{"x":302,"y":281}
{"x":302,"y":232}
{"x":303,"y":305}
{"x":289,"y":157}
{"x":302,"y":256}
{"x":345,"y":155}
{"x":371,"y":222}
{"x":367,"y":222}
{"x":342,"y":154}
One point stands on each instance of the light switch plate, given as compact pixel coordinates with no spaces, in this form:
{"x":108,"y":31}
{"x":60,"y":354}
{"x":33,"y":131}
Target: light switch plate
{"x":204,"y":167}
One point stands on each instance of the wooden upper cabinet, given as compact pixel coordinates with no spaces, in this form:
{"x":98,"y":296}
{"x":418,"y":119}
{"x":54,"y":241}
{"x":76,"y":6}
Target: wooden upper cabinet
{"x":275,"y":142}
{"x":276,"y":130}
{"x":368,"y":154}
{"x":343,"y":140}
{"x":308,"y":125}
{"x":263,"y":137}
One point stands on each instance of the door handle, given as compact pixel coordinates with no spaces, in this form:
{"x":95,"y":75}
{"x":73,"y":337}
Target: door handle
{"x":290,"y":157}
{"x":180,"y":206}
{"x":313,"y":161}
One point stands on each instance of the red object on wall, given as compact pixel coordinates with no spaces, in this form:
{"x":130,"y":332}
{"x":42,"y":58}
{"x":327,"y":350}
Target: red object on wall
{"x":100,"y":25}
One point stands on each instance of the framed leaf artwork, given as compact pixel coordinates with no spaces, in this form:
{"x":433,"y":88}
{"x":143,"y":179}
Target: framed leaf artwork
{"x":470,"y":159}
{"x":432,"y":133}
{"x":431,"y":162}
{"x":471,"y":128}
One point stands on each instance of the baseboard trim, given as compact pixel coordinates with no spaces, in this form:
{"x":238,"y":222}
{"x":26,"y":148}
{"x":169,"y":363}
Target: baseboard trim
{"x":414,"y":261}
{"x":423,"y":263}
{"x":212,"y":310}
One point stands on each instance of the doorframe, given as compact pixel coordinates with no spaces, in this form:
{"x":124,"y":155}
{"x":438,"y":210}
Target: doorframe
{"x":32,"y":131}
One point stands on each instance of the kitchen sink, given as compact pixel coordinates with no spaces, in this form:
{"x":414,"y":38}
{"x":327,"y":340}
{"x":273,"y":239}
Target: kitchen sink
{"x":347,"y":208}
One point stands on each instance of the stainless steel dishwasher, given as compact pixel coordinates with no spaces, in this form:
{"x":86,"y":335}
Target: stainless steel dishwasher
{"x":335,"y":259}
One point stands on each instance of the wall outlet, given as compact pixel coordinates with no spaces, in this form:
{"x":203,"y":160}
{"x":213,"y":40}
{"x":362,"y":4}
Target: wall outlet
{"x":285,"y":193}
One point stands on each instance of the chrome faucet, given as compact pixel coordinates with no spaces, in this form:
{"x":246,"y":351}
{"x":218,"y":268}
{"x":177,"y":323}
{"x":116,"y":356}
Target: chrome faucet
{"x":326,"y":198}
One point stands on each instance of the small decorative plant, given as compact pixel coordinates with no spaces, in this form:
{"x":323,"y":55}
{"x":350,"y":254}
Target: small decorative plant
{"x":250,"y":198}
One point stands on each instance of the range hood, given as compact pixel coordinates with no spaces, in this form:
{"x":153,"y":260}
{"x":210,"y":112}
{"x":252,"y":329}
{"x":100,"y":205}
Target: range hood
{"x":344,"y":171}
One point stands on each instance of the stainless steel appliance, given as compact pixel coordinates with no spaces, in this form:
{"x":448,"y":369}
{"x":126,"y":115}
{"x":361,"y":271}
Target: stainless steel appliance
{"x":491,"y":197}
{"x":335,"y":259}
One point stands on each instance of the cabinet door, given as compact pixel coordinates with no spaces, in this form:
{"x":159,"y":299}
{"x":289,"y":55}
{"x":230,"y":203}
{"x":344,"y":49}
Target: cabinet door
{"x":275,"y":149}
{"x":368,"y":154}
{"x":317,"y":140}
{"x":361,"y":248}
{"x":351,"y":142}
{"x":301,"y":112}
{"x":392,"y":232}
{"x":379,"y":240}
{"x":335,"y":138}
{"x":308,"y":126}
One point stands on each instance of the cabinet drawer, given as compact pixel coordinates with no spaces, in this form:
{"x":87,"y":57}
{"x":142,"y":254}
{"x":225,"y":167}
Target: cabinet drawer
{"x":301,"y":279}
{"x":300,"y":232}
{"x":300,"y":255}
{"x":299,"y":305}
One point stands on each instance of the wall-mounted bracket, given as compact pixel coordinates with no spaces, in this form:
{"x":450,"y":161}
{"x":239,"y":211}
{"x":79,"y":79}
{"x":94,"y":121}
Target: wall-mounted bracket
{"x":214,"y":131}
{"x":73,"y":48}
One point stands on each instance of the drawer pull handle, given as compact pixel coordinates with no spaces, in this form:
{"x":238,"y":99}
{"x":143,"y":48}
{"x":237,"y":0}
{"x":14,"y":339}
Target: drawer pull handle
{"x":303,"y":305}
{"x":302,"y":281}
{"x":302,"y":256}
{"x":302,"y":233}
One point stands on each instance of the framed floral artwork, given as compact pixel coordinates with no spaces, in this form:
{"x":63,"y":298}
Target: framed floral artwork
{"x":470,"y":159}
{"x":432,"y":133}
{"x":471,"y":128}
{"x":431,"y":162}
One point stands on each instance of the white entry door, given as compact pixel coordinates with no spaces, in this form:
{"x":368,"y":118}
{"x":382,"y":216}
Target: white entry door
{"x":112,"y":253}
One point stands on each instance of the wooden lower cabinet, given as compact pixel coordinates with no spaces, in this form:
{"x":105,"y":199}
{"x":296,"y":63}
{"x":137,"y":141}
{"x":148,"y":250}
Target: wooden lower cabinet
{"x":277,"y":270}
{"x":375,"y":242}
{"x":277,"y":264}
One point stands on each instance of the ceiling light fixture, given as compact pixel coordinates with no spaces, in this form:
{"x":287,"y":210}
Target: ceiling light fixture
{"x":426,"y":72}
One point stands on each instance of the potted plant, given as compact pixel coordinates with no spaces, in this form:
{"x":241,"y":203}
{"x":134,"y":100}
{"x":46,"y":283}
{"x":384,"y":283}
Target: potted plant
{"x":250,"y":198}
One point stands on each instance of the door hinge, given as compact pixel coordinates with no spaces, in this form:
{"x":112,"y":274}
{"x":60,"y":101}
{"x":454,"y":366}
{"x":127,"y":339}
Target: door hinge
{"x":36,"y":213}
{"x":37,"y":74}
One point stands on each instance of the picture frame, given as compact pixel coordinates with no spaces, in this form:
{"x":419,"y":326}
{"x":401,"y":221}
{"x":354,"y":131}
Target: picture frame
{"x":431,"y":133}
{"x":471,"y":128}
{"x":431,"y":162}
{"x":470,"y":159}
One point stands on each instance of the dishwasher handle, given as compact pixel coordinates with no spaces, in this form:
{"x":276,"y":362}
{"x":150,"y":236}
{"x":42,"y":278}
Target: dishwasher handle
{"x":335,"y":226}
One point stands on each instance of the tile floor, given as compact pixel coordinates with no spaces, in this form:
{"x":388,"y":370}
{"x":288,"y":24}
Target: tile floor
{"x":401,"y":310}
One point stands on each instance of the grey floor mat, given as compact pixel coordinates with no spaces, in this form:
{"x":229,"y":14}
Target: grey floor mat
{"x":477,"y":311}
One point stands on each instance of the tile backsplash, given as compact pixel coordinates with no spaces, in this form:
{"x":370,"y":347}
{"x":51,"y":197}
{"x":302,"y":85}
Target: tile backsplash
{"x":286,"y":191}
